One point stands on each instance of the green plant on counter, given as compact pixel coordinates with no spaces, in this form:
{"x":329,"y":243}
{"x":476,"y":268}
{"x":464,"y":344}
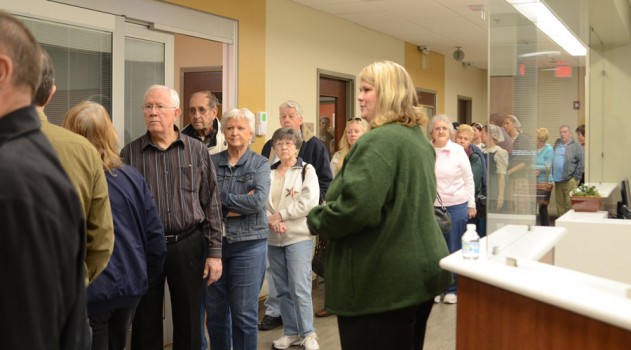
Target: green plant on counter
{"x":585,"y":191}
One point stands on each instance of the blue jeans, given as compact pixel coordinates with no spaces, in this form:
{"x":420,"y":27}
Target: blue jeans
{"x":291,"y":270}
{"x":459,"y":218}
{"x":232,"y":302}
{"x":272,"y":304}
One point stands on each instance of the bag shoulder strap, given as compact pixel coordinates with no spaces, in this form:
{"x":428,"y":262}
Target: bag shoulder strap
{"x":440,"y":201}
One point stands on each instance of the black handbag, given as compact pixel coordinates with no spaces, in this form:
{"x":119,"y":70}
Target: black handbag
{"x":442,"y":216}
{"x":480,"y":205}
{"x":319,"y":257}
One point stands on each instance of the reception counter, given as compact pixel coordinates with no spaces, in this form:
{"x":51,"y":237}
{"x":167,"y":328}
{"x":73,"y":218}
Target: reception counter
{"x":595,"y":244}
{"x":510,"y":300}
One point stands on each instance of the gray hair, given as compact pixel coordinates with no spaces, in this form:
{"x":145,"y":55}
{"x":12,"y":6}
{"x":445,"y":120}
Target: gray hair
{"x":287,"y":134}
{"x":440,"y":118}
{"x":212,"y":99}
{"x":175,"y":98}
{"x":291,"y":104}
{"x":238,"y":113}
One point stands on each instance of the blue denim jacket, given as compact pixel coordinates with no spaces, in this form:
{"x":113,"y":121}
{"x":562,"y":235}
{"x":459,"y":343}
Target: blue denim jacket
{"x":252,"y":172}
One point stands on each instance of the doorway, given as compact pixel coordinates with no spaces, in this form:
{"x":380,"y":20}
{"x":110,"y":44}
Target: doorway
{"x":200,"y":79}
{"x":335,"y":98}
{"x":464,"y":109}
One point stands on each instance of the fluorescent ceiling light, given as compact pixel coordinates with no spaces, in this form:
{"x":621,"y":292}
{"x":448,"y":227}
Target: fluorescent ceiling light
{"x":539,"y":14}
{"x":540,"y":53}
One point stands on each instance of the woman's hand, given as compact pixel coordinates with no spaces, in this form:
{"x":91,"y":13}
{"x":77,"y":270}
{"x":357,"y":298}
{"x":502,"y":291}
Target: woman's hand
{"x":472,"y":212}
{"x":500,"y":202}
{"x":274,"y":219}
{"x":280,"y":227}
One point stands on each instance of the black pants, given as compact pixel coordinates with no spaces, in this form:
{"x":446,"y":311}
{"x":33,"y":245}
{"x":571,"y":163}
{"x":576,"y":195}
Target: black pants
{"x":109,"y":329}
{"x":402,"y":329}
{"x":183,"y":271}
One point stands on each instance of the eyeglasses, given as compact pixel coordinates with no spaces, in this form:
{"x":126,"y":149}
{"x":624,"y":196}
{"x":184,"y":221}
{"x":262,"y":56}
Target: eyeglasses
{"x":160,"y":108}
{"x":201,"y":110}
{"x":281,"y":144}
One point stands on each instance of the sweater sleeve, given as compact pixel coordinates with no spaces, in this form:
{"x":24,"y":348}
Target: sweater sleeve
{"x":357,"y":196}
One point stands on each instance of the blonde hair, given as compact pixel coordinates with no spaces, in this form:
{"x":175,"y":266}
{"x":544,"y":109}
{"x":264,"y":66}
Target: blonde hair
{"x":344,"y":145}
{"x":91,"y":120}
{"x":542,"y":134}
{"x":396,"y":95}
{"x":464,"y":128}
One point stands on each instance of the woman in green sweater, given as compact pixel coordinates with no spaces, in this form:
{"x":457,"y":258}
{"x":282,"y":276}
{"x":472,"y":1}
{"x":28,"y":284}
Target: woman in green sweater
{"x":384,"y":244}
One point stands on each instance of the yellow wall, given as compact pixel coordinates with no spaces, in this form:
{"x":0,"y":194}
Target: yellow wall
{"x":301,"y":40}
{"x":282,"y":45}
{"x":251,"y":16}
{"x":431,"y":78}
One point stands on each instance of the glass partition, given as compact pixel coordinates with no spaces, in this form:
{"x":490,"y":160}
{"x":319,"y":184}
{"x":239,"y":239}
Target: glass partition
{"x":82,"y":58}
{"x":535,"y":87}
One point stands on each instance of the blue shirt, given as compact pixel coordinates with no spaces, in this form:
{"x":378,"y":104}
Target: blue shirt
{"x":545,"y":157}
{"x":559,"y":160}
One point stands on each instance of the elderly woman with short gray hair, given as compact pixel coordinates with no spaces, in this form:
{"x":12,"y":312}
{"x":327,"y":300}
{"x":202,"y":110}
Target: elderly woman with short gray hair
{"x":244,"y":182}
{"x":455,"y":185}
{"x":294,"y":192}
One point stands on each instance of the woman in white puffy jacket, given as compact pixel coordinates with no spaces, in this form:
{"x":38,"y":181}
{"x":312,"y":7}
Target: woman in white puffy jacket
{"x":294,"y":192}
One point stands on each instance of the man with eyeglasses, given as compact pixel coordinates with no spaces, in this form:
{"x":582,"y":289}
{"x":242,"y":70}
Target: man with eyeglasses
{"x":204,"y":125}
{"x":181,"y":177}
{"x":314,"y":152}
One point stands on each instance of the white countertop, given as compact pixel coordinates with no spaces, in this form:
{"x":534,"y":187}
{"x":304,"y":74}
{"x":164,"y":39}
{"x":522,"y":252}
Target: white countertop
{"x":604,"y":188}
{"x":583,"y":216}
{"x":592,"y":296}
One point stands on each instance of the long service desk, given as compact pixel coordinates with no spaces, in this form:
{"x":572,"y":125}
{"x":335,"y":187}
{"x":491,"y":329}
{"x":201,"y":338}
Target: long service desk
{"x":510,"y":300}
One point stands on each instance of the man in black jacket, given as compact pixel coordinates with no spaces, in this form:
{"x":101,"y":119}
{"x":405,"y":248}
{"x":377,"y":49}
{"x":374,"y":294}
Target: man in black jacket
{"x":43,"y":304}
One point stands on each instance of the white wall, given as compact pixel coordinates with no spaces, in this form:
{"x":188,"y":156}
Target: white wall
{"x":469,"y":82}
{"x":609,"y":127}
{"x":301,"y":40}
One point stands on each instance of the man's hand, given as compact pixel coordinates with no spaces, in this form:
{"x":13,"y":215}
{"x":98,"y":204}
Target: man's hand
{"x":212,"y":270}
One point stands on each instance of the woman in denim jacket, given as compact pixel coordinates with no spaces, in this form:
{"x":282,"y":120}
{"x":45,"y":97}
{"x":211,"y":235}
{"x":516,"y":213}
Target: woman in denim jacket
{"x":243,"y":178}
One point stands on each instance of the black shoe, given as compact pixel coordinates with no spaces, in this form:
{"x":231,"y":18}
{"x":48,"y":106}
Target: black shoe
{"x":269,"y":323}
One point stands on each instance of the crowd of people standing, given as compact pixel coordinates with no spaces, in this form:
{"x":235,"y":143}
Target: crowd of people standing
{"x":201,"y":211}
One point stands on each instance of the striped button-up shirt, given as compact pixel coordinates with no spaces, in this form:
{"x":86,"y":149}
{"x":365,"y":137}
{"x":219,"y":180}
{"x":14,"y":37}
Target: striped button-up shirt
{"x":184,"y":185}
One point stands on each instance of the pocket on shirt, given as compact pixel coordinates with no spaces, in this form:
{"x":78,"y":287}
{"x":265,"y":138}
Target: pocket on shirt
{"x":246,"y":181}
{"x":189,"y":179}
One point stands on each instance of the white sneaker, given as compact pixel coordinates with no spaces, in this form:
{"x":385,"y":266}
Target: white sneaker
{"x":286,"y":341}
{"x":451,"y":298}
{"x":439,"y":298}
{"x":310,"y":342}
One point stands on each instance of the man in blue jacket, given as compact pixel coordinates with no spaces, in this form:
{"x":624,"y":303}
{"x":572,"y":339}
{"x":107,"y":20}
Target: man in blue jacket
{"x":567,"y":168}
{"x":314,"y":152}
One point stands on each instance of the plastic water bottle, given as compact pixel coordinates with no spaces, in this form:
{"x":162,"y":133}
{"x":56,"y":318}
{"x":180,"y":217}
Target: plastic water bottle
{"x":470,"y":243}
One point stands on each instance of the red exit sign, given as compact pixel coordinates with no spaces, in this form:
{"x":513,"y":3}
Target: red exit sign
{"x":563,"y":72}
